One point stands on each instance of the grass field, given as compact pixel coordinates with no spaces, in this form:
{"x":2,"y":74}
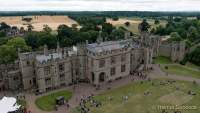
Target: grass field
{"x":160,"y":95}
{"x":188,"y":64}
{"x":47,"y":103}
{"x":39,"y":21}
{"x":162,"y":60}
{"x":182,"y":70}
{"x":134,"y":22}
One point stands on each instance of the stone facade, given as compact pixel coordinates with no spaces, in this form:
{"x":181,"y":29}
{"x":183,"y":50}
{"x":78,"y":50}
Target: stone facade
{"x":10,"y":77}
{"x":94,"y":63}
{"x":175,"y":50}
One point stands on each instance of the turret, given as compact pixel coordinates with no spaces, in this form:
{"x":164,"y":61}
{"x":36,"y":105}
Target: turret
{"x":146,"y":58}
{"x":45,"y":50}
{"x":99,"y":39}
{"x":58,"y":49}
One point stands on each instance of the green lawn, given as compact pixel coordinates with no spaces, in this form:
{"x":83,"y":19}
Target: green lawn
{"x":160,"y":95}
{"x":182,"y":70}
{"x":47,"y":103}
{"x":192,"y":65}
{"x":162,"y":60}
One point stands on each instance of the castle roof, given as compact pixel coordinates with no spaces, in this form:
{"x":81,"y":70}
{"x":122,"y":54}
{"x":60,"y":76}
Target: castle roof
{"x":45,"y":58}
{"x":107,"y":46}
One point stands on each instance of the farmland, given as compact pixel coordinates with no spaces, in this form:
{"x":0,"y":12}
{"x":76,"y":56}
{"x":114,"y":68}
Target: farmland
{"x":38,"y":21}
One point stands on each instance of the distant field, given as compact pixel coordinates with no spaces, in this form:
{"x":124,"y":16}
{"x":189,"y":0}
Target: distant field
{"x":134,"y":22}
{"x":39,"y":21}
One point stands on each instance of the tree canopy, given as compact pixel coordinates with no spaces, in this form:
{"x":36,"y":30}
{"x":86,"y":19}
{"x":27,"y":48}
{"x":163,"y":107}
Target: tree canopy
{"x":8,"y":51}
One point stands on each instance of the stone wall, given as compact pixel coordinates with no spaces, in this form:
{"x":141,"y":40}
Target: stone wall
{"x":175,"y":51}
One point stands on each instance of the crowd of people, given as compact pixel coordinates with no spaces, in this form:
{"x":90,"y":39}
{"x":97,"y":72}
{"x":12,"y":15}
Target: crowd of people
{"x":140,"y":75}
{"x":91,"y":101}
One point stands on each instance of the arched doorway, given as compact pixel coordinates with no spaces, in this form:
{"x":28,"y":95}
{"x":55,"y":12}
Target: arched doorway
{"x":93,"y":77}
{"x":102,"y":76}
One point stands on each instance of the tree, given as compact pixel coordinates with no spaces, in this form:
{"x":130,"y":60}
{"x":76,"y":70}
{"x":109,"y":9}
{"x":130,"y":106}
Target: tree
{"x":115,"y":18}
{"x":127,"y":23}
{"x":27,"y":19}
{"x":4,"y":26}
{"x":18,"y":42}
{"x":22,"y":30}
{"x":153,"y":30}
{"x":8,"y":51}
{"x":144,"y":26}
{"x":66,"y":42}
{"x":48,"y":39}
{"x":7,"y":54}
{"x":47,"y":29}
{"x":74,"y":26}
{"x":156,"y":22}
{"x":64,"y":31}
{"x":194,"y":56}
{"x":2,"y":33}
{"x":116,"y":34}
{"x":107,"y":27}
{"x":30,"y":27}
{"x":32,"y":39}
{"x":14,"y":27}
{"x":192,"y":33}
{"x":175,"y":37}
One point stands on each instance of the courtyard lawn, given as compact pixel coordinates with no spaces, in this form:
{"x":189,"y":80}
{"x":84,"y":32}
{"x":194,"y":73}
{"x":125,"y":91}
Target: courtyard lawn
{"x":162,"y":60}
{"x":47,"y":103}
{"x":182,"y":70}
{"x":160,"y":95}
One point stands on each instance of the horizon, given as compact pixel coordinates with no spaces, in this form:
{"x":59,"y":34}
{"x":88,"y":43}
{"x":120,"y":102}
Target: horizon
{"x":101,"y":5}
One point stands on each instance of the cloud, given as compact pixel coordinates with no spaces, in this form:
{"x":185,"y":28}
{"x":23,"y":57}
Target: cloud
{"x":99,"y":5}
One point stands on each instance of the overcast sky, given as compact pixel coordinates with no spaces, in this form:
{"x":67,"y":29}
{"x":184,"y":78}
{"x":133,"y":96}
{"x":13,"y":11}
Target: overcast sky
{"x":100,"y":5}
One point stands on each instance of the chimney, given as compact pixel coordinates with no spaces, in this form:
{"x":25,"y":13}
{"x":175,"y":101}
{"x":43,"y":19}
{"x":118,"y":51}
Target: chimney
{"x":99,"y":38}
{"x":45,"y":50}
{"x":58,"y":50}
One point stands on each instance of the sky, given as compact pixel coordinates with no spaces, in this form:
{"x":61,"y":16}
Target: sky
{"x":99,"y":5}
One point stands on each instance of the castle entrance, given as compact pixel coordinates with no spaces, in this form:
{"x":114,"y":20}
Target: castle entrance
{"x":93,"y":77}
{"x":102,"y":76}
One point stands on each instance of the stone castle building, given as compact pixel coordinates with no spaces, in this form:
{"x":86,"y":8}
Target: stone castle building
{"x":94,"y":63}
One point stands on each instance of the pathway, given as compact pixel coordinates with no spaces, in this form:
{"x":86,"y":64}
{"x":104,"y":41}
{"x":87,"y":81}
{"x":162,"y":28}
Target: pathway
{"x":158,"y":73}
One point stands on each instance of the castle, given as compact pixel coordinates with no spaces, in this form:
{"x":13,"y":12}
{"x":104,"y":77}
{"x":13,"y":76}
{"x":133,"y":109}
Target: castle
{"x":94,"y":63}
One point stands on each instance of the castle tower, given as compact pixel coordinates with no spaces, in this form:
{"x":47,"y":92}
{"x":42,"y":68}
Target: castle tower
{"x":99,"y":39}
{"x":58,"y":49}
{"x":82,"y":60}
{"x":45,"y":50}
{"x":146,"y":58}
{"x":181,"y":50}
{"x":145,"y":38}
